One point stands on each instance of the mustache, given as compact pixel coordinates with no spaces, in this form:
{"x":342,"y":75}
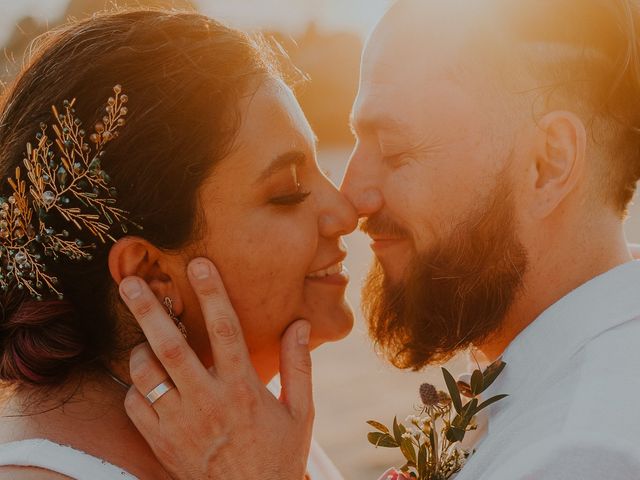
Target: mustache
{"x":380,"y":225}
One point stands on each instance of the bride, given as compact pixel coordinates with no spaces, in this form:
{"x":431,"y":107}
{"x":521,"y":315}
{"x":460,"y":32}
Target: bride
{"x":192,"y":146}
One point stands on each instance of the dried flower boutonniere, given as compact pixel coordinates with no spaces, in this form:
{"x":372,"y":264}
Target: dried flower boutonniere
{"x":430,"y":442}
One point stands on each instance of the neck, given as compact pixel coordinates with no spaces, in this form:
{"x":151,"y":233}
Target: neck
{"x":562,"y":258}
{"x":86,"y":413}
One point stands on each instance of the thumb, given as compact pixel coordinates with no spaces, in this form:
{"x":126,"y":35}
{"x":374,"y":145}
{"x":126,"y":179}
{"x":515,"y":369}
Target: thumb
{"x":295,"y":370}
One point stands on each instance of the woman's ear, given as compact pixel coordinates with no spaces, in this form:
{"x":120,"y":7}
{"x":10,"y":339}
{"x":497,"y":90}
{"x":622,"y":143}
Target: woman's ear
{"x":135,"y":256}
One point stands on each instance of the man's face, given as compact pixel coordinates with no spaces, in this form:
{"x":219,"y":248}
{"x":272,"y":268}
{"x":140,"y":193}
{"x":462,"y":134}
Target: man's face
{"x":426,"y":151}
{"x":431,"y":158}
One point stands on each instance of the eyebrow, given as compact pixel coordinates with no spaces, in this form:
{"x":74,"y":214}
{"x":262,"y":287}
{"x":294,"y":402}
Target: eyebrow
{"x":372,"y":124}
{"x":282,"y":162}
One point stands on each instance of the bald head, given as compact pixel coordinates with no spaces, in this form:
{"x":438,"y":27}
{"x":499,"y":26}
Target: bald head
{"x":420,"y":36}
{"x":525,"y":53}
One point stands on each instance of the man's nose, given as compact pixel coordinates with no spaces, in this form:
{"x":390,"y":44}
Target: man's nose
{"x":361,"y":187}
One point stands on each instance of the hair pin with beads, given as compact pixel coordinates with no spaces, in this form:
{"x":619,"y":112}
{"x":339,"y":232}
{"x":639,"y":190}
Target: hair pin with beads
{"x":64,"y":184}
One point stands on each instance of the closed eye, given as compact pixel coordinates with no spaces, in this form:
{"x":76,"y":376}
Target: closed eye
{"x":293,"y":199}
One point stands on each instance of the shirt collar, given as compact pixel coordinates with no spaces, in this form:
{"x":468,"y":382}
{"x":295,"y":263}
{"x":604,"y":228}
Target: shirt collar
{"x":600,"y":304}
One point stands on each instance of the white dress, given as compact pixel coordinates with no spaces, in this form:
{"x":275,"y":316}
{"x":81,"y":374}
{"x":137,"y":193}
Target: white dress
{"x":68,"y":461}
{"x":79,"y":465}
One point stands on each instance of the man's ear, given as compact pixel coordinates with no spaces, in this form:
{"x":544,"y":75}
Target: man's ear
{"x":560,"y":150}
{"x":135,"y":256}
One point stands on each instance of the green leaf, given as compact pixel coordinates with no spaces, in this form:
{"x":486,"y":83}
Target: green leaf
{"x":471,"y":410}
{"x":380,"y":439}
{"x":408,"y":450}
{"x":491,"y":373}
{"x":397,"y":432}
{"x":476,"y":382}
{"x":490,"y":401}
{"x":378,"y":426}
{"x":452,"y":386}
{"x":455,"y":434}
{"x":422,"y":461}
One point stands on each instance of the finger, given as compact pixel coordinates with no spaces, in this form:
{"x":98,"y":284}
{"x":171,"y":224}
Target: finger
{"x":295,"y":370}
{"x":147,"y":373}
{"x":230,"y":353}
{"x":166,"y":341}
{"x":143,"y":416}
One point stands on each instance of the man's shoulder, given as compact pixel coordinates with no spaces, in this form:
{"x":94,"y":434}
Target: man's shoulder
{"x":572,"y":456}
{"x":606,"y":383}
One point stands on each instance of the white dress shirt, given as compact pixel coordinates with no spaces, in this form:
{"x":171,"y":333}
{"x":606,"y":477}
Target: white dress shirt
{"x":573,"y":379}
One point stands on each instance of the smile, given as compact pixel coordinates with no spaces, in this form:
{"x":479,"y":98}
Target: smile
{"x":332,"y":270}
{"x":335,"y":274}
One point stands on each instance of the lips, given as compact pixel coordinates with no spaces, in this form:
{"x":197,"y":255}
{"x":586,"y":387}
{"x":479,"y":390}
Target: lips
{"x":334,"y":273}
{"x":332,"y":270}
{"x":383,"y":242}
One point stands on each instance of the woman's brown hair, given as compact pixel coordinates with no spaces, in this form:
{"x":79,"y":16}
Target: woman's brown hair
{"x":184,"y":74}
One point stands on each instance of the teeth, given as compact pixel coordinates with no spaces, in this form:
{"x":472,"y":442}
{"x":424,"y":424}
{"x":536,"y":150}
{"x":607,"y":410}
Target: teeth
{"x":332,"y":270}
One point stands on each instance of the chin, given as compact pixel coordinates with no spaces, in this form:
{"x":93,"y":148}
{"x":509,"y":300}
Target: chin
{"x":333,"y":325}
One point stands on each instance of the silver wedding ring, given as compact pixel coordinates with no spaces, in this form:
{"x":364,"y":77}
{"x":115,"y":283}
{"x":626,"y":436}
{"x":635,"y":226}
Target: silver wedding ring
{"x":159,"y":391}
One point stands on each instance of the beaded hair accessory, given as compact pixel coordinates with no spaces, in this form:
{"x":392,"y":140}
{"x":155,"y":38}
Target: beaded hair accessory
{"x":63,"y":196}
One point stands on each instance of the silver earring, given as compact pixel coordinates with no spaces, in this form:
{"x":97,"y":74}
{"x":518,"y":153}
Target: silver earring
{"x":169,"y":304}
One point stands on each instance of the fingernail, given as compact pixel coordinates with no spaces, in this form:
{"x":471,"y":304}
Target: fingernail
{"x":200,"y":269}
{"x":304,"y":331}
{"x":131,"y":288}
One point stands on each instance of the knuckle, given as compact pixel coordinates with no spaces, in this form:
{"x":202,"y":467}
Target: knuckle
{"x":303,"y":367}
{"x":305,"y":364}
{"x":171,"y":351}
{"x":130,"y":402}
{"x":208,"y":289}
{"x":245,"y":394}
{"x":143,"y":309}
{"x":234,"y":360}
{"x":140,"y":371}
{"x":226,"y":330}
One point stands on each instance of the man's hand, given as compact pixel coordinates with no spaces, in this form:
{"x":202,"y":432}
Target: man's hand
{"x":221,"y":422}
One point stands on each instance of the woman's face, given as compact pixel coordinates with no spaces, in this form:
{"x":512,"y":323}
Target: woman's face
{"x":273,"y":228}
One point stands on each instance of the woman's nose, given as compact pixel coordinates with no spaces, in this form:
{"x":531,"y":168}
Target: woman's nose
{"x":338,"y":217}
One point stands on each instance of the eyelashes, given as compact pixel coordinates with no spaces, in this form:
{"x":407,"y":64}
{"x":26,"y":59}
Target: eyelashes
{"x":293,"y":199}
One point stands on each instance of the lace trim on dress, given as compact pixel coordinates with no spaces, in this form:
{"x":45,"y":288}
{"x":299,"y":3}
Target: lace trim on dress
{"x":42,"y":453}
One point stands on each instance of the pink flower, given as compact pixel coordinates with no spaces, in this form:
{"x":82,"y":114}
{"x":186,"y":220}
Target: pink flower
{"x":393,"y":474}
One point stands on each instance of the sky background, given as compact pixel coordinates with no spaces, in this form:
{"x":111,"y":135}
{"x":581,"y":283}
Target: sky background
{"x":289,"y":15}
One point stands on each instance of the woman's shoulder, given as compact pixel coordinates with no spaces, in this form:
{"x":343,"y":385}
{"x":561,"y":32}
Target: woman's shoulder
{"x":12,"y":472}
{"x":43,"y":459}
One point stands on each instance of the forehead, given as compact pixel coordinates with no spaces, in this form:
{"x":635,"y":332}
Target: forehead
{"x":419,"y":59}
{"x":271,"y":115}
{"x":396,"y":86}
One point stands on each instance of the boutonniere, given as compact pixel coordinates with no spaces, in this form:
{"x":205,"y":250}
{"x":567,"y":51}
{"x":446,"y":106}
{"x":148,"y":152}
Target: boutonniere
{"x":430,"y":440}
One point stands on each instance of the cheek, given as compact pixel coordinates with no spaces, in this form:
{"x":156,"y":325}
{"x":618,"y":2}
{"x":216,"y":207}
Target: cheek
{"x":430,"y":198}
{"x":264,"y":275}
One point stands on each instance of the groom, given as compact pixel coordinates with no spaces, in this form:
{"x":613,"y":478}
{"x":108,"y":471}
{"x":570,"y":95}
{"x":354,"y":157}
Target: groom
{"x":497,"y":152}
